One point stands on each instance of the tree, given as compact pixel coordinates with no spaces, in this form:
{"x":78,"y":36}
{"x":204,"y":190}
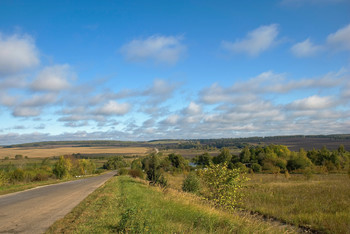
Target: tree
{"x":177,"y":161}
{"x":245,"y":155}
{"x":202,"y":160}
{"x":224,"y":156}
{"x":115,"y":163}
{"x":298,"y":161}
{"x":62,"y":168}
{"x":151,"y":165}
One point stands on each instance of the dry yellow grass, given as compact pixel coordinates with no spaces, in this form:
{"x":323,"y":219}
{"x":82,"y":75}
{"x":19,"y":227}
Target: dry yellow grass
{"x":57,"y":151}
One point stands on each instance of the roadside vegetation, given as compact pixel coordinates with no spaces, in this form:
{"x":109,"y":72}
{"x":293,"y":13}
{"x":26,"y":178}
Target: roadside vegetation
{"x":22,"y":173}
{"x":127,"y":205}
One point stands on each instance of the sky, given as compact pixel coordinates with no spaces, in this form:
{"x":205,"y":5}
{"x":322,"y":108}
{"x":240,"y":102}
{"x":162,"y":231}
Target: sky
{"x":146,"y":70}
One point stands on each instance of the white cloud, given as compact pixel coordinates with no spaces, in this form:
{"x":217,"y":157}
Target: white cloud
{"x":312,"y":103}
{"x":161,"y":49}
{"x":7,"y":100}
{"x":193,"y":109}
{"x":25,"y":112}
{"x":113,"y":108}
{"x":17,"y":53}
{"x":256,"y":41}
{"x":54,"y":78}
{"x":39,"y":100}
{"x":340,"y":40}
{"x":305,"y":49}
{"x":172,"y":119}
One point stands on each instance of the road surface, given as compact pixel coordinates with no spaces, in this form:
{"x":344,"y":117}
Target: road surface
{"x":34,"y":210}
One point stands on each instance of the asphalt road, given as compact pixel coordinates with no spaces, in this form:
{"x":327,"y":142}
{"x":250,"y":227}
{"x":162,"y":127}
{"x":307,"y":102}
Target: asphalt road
{"x":34,"y":210}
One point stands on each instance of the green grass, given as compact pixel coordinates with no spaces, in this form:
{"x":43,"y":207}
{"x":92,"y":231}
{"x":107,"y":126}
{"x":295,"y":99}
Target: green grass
{"x":321,"y":203}
{"x":128,"y":205}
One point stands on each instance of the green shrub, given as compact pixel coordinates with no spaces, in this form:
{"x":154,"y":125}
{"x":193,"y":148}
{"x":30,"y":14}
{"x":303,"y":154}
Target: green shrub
{"x":136,"y":164}
{"x":18,"y":157}
{"x":256,"y":167}
{"x":308,"y":173}
{"x":123,"y":171}
{"x":115,"y":163}
{"x":17,"y":175}
{"x":136,"y":173}
{"x":191,"y":183}
{"x":3,"y":177}
{"x":223,"y":185}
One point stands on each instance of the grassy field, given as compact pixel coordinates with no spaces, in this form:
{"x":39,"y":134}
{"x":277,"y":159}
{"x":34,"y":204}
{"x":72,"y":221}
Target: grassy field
{"x":127,"y":205}
{"x":322,"y":202}
{"x":57,"y":151}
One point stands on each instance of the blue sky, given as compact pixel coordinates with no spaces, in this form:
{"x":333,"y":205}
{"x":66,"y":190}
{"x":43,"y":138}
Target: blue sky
{"x":143,"y":70}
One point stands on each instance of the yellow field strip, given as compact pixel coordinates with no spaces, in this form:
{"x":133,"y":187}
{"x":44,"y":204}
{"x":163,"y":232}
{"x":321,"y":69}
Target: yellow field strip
{"x":49,"y":152}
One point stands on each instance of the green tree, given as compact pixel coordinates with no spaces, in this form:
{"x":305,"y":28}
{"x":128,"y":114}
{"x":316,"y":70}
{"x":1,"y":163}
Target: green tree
{"x":177,"y":161}
{"x":62,"y":168}
{"x":224,"y":156}
{"x":151,"y":165}
{"x":245,"y":155}
{"x":202,"y":160}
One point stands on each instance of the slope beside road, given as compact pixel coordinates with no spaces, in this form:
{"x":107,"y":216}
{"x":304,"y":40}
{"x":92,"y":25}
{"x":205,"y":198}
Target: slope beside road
{"x":34,"y":210}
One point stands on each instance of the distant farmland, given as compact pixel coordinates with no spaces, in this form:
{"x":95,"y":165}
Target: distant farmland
{"x":33,"y":152}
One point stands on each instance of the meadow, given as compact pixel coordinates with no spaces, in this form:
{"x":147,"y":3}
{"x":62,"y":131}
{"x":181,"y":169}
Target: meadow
{"x":321,"y":202}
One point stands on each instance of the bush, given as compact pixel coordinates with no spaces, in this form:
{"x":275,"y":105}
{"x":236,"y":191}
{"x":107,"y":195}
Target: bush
{"x":3,"y":177}
{"x":115,"y":163}
{"x":223,"y":184}
{"x":191,"y":183}
{"x":256,"y":167}
{"x":17,"y":175}
{"x":123,"y":171}
{"x":136,"y":173}
{"x":18,"y":157}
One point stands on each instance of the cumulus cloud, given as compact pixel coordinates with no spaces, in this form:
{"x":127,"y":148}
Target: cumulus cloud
{"x":25,"y":112}
{"x":7,"y":100}
{"x":305,"y":49}
{"x":113,"y":108}
{"x":54,"y":78}
{"x":161,"y":49}
{"x":268,"y":83}
{"x":17,"y":53}
{"x":312,"y":103}
{"x":172,"y":119}
{"x":39,"y":100}
{"x":255,"y":42}
{"x":193,"y":109}
{"x":340,"y":40}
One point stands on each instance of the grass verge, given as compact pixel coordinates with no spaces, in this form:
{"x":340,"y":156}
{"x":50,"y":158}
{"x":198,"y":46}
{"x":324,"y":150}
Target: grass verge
{"x":127,"y":205}
{"x":12,"y":188}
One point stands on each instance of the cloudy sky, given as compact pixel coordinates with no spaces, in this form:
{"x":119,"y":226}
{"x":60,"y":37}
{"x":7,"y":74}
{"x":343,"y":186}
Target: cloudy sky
{"x":142,"y":70}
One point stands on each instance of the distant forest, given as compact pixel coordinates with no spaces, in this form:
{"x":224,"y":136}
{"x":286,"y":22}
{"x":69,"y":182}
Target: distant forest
{"x":294,"y":143}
